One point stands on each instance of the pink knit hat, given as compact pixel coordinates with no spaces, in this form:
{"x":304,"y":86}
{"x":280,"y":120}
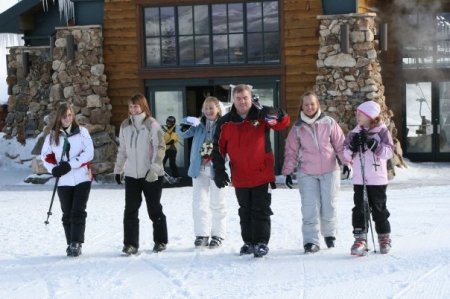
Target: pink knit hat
{"x":369,"y":109}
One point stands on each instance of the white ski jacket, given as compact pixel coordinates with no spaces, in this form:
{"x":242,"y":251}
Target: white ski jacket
{"x":80,"y":154}
{"x":141,"y":147}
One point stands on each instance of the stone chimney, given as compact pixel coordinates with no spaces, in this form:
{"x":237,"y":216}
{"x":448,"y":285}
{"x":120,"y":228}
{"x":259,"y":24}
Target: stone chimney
{"x":345,"y":80}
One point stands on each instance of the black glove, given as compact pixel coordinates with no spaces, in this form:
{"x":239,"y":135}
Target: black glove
{"x":61,"y":169}
{"x":288,"y":181}
{"x":270,"y":114}
{"x":221,"y":179}
{"x":372,"y":144}
{"x":358,"y":141}
{"x":118,"y":179}
{"x":346,"y":172}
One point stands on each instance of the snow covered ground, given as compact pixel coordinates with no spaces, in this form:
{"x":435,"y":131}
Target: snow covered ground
{"x":33,"y":262}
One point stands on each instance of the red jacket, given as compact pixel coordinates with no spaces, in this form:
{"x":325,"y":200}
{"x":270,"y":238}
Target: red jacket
{"x":247,"y":143}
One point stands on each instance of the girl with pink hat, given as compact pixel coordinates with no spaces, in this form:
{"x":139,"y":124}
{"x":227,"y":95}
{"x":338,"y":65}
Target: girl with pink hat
{"x":368,"y":146}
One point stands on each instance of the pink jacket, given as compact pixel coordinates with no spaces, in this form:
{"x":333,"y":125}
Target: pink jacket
{"x":375,"y":166}
{"x":313,"y":148}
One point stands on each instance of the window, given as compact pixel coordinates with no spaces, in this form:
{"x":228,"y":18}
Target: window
{"x":428,"y":40}
{"x":212,"y":34}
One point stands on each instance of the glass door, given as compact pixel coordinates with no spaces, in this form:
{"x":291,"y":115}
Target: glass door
{"x":419,"y":129}
{"x":169,"y":102}
{"x":427,"y":121}
{"x":444,"y":121}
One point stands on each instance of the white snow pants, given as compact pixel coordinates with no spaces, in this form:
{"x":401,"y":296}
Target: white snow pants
{"x":208,"y":206}
{"x":318,"y":196}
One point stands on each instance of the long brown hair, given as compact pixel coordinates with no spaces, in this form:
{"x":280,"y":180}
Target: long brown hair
{"x":57,"y":125}
{"x":141,"y":100}
{"x":308,"y":93}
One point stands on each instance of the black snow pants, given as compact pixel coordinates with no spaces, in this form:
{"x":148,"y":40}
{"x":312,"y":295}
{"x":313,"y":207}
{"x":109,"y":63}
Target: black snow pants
{"x":73,"y":205}
{"x":254,"y":213}
{"x":377,"y":205}
{"x":171,"y":155}
{"x":133,"y":199}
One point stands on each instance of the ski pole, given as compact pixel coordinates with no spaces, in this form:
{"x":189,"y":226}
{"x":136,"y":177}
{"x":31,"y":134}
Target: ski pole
{"x":365,"y":196}
{"x":66,"y":149}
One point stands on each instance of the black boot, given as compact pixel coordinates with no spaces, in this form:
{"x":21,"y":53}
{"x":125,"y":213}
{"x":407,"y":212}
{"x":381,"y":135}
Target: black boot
{"x":159,"y":247}
{"x":75,"y":249}
{"x":330,"y":241}
{"x":311,"y":248}
{"x":201,"y":241}
{"x":129,"y":249}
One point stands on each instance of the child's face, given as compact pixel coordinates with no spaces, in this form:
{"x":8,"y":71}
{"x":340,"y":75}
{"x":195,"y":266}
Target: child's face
{"x":310,"y":105}
{"x":210,"y":110}
{"x":363,"y":120}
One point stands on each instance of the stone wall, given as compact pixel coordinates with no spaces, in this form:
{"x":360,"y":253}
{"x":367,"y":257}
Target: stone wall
{"x":345,"y":80}
{"x":54,"y":79}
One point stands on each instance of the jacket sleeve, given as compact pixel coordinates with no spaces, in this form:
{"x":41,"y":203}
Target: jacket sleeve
{"x":47,"y":155}
{"x":121,"y":152}
{"x":186,"y":134}
{"x":159,"y":147}
{"x":219,"y":151}
{"x":291,"y":151}
{"x":87,"y":153}
{"x":347,"y":153}
{"x":337,"y":140}
{"x":385,"y":149}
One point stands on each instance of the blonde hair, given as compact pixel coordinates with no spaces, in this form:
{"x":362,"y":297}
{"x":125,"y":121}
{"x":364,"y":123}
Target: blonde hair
{"x":215,"y":101}
{"x":139,"y":99}
{"x":306,"y":94}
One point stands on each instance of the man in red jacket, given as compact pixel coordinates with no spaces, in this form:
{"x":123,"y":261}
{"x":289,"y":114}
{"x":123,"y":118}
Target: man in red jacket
{"x":244,"y":135}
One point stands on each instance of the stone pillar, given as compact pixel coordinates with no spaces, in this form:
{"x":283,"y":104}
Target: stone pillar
{"x":27,"y":103}
{"x":55,"y":78}
{"x":345,"y":80}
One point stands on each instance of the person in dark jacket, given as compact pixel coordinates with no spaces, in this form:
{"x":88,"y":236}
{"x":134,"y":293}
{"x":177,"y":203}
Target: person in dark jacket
{"x":66,"y":154}
{"x":244,"y":135}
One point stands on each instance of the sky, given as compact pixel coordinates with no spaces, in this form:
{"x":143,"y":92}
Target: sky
{"x":33,"y":263}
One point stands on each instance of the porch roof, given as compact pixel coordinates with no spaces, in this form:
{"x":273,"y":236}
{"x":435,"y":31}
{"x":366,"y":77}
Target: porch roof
{"x":10,"y":19}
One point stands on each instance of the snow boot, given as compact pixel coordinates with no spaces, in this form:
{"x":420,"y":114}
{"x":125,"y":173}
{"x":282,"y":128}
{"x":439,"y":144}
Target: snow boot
{"x":201,"y":241}
{"x":75,"y":249}
{"x":260,"y":250}
{"x":311,"y":248}
{"x":129,"y":249}
{"x":68,"y":251}
{"x":359,"y":247}
{"x":216,"y":242}
{"x":159,"y":247}
{"x":330,"y":241}
{"x":247,"y":248}
{"x":385,"y":243}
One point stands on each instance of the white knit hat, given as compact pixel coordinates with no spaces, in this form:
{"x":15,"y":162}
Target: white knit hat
{"x":369,"y":109}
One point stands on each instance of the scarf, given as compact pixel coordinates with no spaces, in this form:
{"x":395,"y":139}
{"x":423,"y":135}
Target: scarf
{"x":310,"y":120}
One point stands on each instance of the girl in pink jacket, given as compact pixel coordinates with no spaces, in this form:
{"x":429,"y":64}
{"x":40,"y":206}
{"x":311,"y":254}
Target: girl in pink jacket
{"x":312,"y":147}
{"x":368,"y":146}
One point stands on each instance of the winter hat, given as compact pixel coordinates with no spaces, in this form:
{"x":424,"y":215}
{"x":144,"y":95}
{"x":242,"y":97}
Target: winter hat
{"x":369,"y":109}
{"x":171,"y":119}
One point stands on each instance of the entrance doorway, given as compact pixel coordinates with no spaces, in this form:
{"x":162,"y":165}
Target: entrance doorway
{"x":427,"y":121}
{"x":185,"y":98}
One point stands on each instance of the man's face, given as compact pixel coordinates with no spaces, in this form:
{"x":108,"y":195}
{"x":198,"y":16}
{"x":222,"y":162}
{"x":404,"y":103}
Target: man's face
{"x":243,"y":101}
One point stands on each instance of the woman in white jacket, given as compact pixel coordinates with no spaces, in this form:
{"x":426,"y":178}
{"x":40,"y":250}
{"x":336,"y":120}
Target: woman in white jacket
{"x":139,"y":158}
{"x":66,"y":153}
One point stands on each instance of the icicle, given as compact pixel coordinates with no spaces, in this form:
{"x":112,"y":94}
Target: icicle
{"x":65,"y":7}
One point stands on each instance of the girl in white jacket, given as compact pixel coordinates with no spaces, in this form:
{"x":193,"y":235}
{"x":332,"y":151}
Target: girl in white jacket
{"x":139,"y":158}
{"x":66,"y":153}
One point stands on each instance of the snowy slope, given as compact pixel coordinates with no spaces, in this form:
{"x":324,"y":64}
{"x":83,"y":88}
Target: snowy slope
{"x":33,"y":262}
